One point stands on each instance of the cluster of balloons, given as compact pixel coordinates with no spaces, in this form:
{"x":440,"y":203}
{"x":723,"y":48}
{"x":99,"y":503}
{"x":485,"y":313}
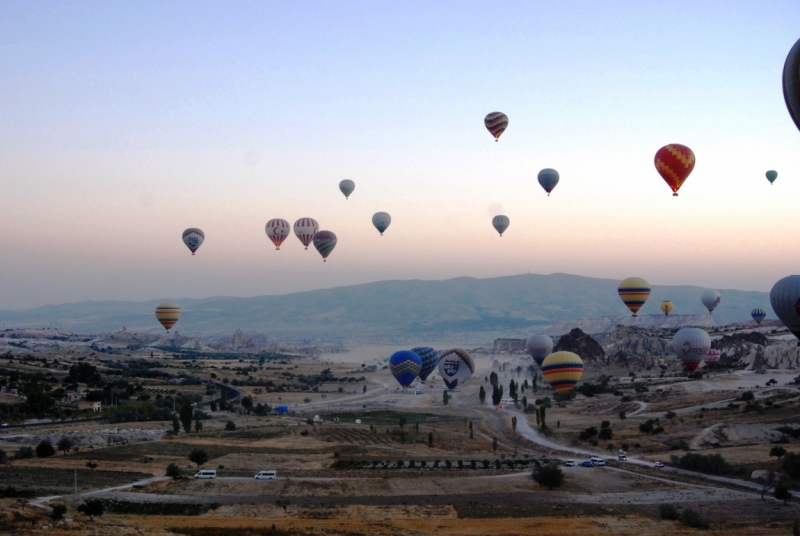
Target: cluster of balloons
{"x":455,"y":366}
{"x":561,"y":370}
{"x":634,"y":292}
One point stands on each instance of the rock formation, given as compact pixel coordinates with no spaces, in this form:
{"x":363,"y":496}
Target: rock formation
{"x":578,"y":342}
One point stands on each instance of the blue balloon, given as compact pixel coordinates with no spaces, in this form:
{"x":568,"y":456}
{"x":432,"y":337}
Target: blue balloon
{"x":758,"y":315}
{"x":430,"y":358}
{"x":405,"y":366}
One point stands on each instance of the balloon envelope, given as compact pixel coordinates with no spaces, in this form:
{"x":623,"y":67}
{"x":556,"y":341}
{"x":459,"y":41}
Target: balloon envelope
{"x":712,"y":358}
{"x":305,"y":229}
{"x":347,"y":186}
{"x":771,"y":176}
{"x":324,"y":241}
{"x":758,"y":315}
{"x":785,"y":300}
{"x":168,"y":314}
{"x":791,"y":83}
{"x":381,"y":221}
{"x":496,"y":123}
{"x":710,"y":299}
{"x":666,"y":307}
{"x":277,"y":231}
{"x":634,"y":291}
{"x":562,"y":370}
{"x":548,"y":178}
{"x":674,"y":162}
{"x":691,"y":346}
{"x":455,"y":367}
{"x":500,"y":224}
{"x":430,"y":358}
{"x":405,"y":366}
{"x":539,"y":347}
{"x":193,"y":238}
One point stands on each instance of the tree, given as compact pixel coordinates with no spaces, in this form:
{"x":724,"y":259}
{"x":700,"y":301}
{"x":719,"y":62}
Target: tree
{"x":549,"y":476}
{"x":430,"y":440}
{"x":364,"y":390}
{"x":497,"y":394}
{"x":247,"y":403}
{"x":782,"y":492}
{"x":525,"y":402}
{"x":186,"y":416}
{"x":494,"y":444}
{"x":514,"y":424}
{"x":64,"y":444}
{"x":173,"y":471}
{"x":471,"y":436}
{"x":538,"y":418}
{"x":605,"y":434}
{"x":403,"y":420}
{"x":198,"y":424}
{"x":45,"y":449}
{"x":791,"y":465}
{"x":223,"y":399}
{"x":670,"y":415}
{"x":777,"y":451}
{"x":198,"y":456}
{"x":91,"y":508}
{"x":622,"y":416}
{"x":3,"y":457}
{"x":58,"y":512}
{"x":91,"y":465}
{"x":493,"y":379}
{"x":542,"y":416}
{"x":445,"y":397}
{"x":482,"y":394}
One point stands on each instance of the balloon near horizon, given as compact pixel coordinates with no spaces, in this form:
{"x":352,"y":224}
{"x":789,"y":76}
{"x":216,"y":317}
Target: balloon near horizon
{"x":634,"y":292}
{"x":168,"y":314}
{"x":405,"y":366}
{"x":562,"y":370}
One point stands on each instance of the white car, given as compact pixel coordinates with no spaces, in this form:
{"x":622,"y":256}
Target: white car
{"x":570,"y":463}
{"x":206,"y":473}
{"x":622,"y":458}
{"x":598,"y":461}
{"x":266,"y":475}
{"x":658,"y":465}
{"x":4,"y":424}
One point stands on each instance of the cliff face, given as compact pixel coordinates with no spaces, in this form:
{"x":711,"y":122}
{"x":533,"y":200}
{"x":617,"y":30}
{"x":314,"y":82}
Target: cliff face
{"x":578,"y":342}
{"x":636,"y":347}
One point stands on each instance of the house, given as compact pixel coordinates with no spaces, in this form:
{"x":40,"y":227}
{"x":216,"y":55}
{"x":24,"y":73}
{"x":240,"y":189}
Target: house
{"x":96,"y":407}
{"x":74,"y":396}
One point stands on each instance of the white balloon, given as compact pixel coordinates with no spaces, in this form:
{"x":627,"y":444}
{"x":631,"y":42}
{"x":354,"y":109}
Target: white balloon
{"x":691,"y":346}
{"x":455,"y":367}
{"x":710,"y":299}
{"x":539,"y":347}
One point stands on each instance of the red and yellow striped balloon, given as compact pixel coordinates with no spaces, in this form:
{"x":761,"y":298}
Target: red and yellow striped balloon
{"x":634,"y":291}
{"x":562,"y":370}
{"x":168,"y":314}
{"x":674,"y":162}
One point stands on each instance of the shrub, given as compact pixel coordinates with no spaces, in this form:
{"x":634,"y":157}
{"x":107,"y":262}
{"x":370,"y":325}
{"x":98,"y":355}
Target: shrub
{"x":58,"y":512}
{"x":747,"y":395}
{"x":230,"y":426}
{"x":91,"y":508}
{"x":550,"y":476}
{"x":3,"y":457}
{"x":173,"y":471}
{"x":713,"y":464}
{"x":44,"y":449}
{"x":24,"y":453}
{"x":668,"y":511}
{"x":198,"y":456}
{"x":690,"y":518}
{"x":791,"y":465}
{"x":782,"y":492}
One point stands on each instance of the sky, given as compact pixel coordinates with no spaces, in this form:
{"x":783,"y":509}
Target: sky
{"x":121,"y":124}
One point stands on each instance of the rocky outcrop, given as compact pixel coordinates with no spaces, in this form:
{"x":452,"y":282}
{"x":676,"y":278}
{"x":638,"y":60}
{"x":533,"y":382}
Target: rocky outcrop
{"x":607,"y":324}
{"x":238,"y":339}
{"x":578,"y":342}
{"x":737,"y":339}
{"x":636,"y":347}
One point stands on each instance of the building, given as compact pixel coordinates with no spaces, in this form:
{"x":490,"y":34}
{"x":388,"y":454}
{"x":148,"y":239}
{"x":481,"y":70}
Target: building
{"x":509,"y":345}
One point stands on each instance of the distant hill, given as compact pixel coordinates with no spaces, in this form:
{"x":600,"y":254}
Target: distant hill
{"x":464,"y":309}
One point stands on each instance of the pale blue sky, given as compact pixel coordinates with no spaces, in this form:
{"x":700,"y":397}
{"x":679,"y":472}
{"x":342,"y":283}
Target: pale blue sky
{"x":121,"y":124}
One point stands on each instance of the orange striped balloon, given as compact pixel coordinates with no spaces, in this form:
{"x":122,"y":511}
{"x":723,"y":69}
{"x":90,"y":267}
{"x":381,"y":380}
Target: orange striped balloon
{"x":168,"y":314}
{"x":634,"y":291}
{"x":562,"y":370}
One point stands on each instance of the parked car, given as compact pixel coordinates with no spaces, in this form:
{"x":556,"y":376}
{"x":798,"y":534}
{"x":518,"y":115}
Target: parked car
{"x":570,"y":463}
{"x":622,"y":458}
{"x":659,"y":465}
{"x":266,"y":475}
{"x":4,"y":424}
{"x":598,"y":461}
{"x":206,"y":473}
{"x":587,"y":463}
{"x":420,"y":392}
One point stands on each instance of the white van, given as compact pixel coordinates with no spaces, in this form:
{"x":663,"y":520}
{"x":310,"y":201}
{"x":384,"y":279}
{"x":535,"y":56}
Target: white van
{"x":598,"y":461}
{"x":266,"y":475}
{"x":206,"y":473}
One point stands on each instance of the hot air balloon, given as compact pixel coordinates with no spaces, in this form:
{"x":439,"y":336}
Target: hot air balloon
{"x":666,"y":307}
{"x":772,"y":175}
{"x":785,"y":300}
{"x":277,"y":231}
{"x":305,"y":229}
{"x":347,"y":186}
{"x":548,"y":178}
{"x":325,"y":241}
{"x":710,"y":299}
{"x":539,"y":347}
{"x":791,"y":83}
{"x":562,"y":370}
{"x":496,"y":123}
{"x":500,"y":224}
{"x":634,"y":291}
{"x":381,"y":221}
{"x":455,"y":367}
{"x":674,"y":163}
{"x":405,"y":366}
{"x":758,"y":315}
{"x":430,"y":358}
{"x":168,"y":314}
{"x":193,"y":238}
{"x":692,"y":346}
{"x":712,"y":358}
